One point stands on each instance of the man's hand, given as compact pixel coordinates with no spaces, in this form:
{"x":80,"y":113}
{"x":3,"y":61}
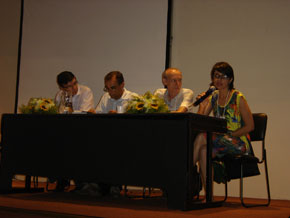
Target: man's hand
{"x":91,"y":111}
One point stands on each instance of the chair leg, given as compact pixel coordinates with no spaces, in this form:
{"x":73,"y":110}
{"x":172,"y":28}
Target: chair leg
{"x":35,"y":181}
{"x":267,"y":179}
{"x":241,"y":186}
{"x":48,"y":181}
{"x":149,"y":192}
{"x":150,"y":189}
{"x":241,"y":189}
{"x":144,"y":192}
{"x":125,"y":191}
{"x":226,"y":192}
{"x":61,"y":185}
{"x":138,"y":196}
{"x":28,"y":187}
{"x":27,"y":182}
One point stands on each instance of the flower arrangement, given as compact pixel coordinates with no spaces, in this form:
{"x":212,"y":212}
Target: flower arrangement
{"x":39,"y":106}
{"x":147,"y":103}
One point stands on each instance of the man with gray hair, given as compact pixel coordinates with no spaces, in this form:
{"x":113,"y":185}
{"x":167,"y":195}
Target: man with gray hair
{"x":178,"y":99}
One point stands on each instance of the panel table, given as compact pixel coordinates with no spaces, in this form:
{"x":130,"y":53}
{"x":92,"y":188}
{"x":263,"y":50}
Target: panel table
{"x":152,"y":150}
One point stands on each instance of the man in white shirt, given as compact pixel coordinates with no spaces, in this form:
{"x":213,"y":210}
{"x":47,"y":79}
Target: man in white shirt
{"x":177,"y":98}
{"x":116,"y":97}
{"x":113,"y":101}
{"x":82,"y":100}
{"x":82,"y":96}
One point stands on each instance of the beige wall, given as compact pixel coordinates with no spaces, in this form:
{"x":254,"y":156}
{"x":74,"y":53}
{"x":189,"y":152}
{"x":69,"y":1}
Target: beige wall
{"x":254,"y":37}
{"x":9,"y":28}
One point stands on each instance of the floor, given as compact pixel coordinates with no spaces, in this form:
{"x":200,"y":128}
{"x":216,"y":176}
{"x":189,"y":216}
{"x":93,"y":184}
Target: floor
{"x":68,"y":204}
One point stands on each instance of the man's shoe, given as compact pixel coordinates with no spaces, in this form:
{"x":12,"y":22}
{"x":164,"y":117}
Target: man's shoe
{"x":61,"y":184}
{"x":115,"y":191}
{"x":90,"y":189}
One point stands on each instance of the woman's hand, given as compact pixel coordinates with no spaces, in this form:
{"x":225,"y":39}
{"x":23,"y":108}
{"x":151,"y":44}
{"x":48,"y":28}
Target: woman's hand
{"x":203,"y":104}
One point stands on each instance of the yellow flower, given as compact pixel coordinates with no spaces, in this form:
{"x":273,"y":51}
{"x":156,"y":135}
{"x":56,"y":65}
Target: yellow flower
{"x":154,"y":106}
{"x":139,"y":106}
{"x":43,"y":106}
{"x":147,"y":103}
{"x":48,"y":101}
{"x":39,"y":106}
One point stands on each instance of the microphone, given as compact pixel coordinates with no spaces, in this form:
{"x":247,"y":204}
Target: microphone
{"x":208,"y":93}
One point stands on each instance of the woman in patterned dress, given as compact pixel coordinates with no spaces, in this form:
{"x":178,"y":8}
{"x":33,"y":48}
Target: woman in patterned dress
{"x":230,"y":104}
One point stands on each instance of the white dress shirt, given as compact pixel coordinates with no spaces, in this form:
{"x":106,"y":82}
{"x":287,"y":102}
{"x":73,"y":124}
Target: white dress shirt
{"x":184,"y":98}
{"x":107,"y":103}
{"x":82,"y":101}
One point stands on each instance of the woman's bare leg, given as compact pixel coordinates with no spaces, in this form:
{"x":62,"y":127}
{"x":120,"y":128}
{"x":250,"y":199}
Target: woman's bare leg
{"x":199,"y":155}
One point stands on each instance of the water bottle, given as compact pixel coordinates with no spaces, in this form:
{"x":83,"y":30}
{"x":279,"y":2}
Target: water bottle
{"x":67,"y":103}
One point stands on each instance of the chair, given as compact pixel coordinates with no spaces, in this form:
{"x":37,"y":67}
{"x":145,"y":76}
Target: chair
{"x":61,"y":184}
{"x":143,"y":192}
{"x":195,"y":189}
{"x":247,"y":164}
{"x":27,"y":187}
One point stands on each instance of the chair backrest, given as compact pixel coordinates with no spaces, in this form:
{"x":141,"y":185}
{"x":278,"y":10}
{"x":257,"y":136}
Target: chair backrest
{"x":259,"y":133}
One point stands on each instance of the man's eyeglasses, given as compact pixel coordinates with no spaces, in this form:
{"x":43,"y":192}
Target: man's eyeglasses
{"x":112,"y":88}
{"x":71,"y":85}
{"x":220,"y":76}
{"x":176,"y":80}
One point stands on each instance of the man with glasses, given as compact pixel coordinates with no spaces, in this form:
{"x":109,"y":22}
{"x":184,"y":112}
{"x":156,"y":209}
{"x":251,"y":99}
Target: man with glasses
{"x":82,"y":96}
{"x":116,"y":97}
{"x":177,"y":98}
{"x":82,"y":100}
{"x":114,"y":100}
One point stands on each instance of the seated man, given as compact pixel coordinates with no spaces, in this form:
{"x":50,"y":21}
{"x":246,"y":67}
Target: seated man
{"x":178,"y":99}
{"x":114,"y":100}
{"x":82,"y":96}
{"x":82,"y":100}
{"x":116,"y":95}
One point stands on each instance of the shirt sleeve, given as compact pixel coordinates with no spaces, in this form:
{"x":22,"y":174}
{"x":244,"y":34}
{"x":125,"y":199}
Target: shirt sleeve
{"x":187,"y":99}
{"x":100,"y":107}
{"x":159,"y":93}
{"x":57,"y":98}
{"x":87,"y":101}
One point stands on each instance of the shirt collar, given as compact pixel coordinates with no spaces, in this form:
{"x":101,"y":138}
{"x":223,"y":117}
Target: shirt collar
{"x":121,"y":98}
{"x":166,"y":95}
{"x":79,"y":91}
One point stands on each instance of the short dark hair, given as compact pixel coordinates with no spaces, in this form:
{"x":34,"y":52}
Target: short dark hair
{"x":64,"y":78}
{"x":226,"y":69}
{"x":118,"y":74}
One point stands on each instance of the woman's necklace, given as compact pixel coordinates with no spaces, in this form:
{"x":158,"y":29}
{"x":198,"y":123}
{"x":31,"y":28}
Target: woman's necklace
{"x":224,"y":110}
